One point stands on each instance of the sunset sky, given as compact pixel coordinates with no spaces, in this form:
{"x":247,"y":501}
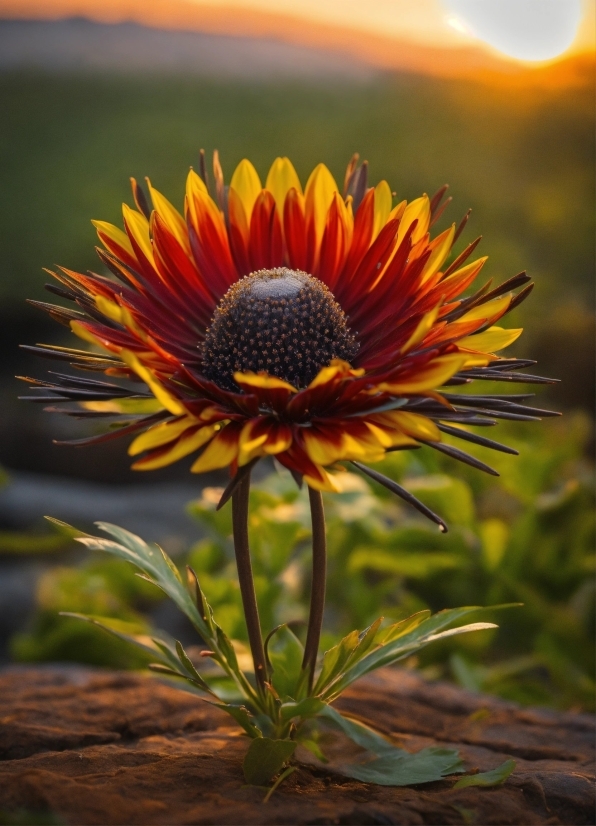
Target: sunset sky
{"x":370,"y":30}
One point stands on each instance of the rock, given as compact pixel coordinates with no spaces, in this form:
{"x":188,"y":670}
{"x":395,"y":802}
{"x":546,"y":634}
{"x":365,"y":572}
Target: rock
{"x":91,"y":747}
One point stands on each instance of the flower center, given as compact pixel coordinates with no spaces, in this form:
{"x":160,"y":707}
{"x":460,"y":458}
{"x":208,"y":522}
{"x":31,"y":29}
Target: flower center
{"x":281,"y":321}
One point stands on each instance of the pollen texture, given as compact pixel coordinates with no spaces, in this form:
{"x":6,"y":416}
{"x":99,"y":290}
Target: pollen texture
{"x":280,"y":321}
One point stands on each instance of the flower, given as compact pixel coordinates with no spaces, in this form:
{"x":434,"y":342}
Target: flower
{"x":313,"y":325}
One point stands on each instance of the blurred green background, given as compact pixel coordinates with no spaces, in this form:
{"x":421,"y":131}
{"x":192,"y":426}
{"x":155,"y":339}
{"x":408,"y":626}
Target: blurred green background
{"x":523,"y":159}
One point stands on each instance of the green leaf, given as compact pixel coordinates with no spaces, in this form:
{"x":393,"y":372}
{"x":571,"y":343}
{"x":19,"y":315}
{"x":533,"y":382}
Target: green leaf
{"x":265,"y":758}
{"x":242,"y":717}
{"x":153,"y":561}
{"x":188,"y":665}
{"x":427,"y":631}
{"x":313,"y":747}
{"x":398,"y":629}
{"x":285,"y":653}
{"x":309,"y":707}
{"x":359,"y":733}
{"x":199,"y":598}
{"x":394,"y":766}
{"x":161,"y":647}
{"x":406,"y":769}
{"x":335,"y":659}
{"x":491,"y":778}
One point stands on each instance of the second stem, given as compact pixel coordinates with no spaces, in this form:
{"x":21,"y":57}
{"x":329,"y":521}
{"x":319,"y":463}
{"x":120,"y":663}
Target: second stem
{"x":318,"y":587}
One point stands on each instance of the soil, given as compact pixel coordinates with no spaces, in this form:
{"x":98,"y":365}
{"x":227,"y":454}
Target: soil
{"x":81,"y":746}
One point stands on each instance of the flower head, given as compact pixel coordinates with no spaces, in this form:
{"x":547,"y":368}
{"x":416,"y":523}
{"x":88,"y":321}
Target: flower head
{"x":318,"y":326}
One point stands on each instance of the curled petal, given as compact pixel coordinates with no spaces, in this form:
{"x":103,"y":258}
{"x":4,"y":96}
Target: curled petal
{"x":160,"y":434}
{"x":188,"y":443}
{"x":221,"y":451}
{"x":493,"y":339}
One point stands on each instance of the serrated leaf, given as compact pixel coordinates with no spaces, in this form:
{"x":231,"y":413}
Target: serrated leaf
{"x":285,"y":653}
{"x":191,"y":670}
{"x":366,"y":640}
{"x":227,"y":649}
{"x":491,"y":778}
{"x":394,"y":766}
{"x":124,"y":631}
{"x":359,"y":733}
{"x":420,"y":636}
{"x":199,"y":598}
{"x":242,"y":717}
{"x":153,"y":562}
{"x":406,"y":769}
{"x":398,"y":629}
{"x":462,"y":629}
{"x":335,"y":659}
{"x":265,"y":758}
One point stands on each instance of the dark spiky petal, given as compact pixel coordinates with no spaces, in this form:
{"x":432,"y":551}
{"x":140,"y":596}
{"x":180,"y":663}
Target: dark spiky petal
{"x":461,"y":456}
{"x":402,"y":493}
{"x":462,"y":257}
{"x":462,"y":225}
{"x":466,"y":436}
{"x":125,"y":430}
{"x":241,"y":474}
{"x":141,"y":200}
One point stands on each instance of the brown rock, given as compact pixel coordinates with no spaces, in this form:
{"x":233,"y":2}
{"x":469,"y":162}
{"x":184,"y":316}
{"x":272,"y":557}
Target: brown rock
{"x":97,"y":747}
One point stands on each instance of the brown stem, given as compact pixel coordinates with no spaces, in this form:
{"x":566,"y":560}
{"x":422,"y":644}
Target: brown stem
{"x":319,"y":578}
{"x":247,"y":587}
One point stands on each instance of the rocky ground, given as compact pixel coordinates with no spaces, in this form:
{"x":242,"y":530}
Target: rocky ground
{"x":80,"y":746}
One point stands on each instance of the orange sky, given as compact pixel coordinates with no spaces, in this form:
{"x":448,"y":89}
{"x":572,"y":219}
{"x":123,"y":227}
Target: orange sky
{"x":392,"y":34}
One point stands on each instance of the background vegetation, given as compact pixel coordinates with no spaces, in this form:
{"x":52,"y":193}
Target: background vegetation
{"x":523,"y":159}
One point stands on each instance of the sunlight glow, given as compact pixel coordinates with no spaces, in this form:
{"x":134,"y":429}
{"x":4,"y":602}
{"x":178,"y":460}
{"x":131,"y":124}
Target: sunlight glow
{"x":531,"y":30}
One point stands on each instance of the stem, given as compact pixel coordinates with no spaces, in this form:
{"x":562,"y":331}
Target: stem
{"x":319,"y":578}
{"x":247,"y":586}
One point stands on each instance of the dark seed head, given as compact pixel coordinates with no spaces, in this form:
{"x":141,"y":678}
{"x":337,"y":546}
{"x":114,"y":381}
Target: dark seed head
{"x":280,"y":321}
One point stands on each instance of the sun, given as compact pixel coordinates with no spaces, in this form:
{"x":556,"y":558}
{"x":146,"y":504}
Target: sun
{"x":532,"y":30}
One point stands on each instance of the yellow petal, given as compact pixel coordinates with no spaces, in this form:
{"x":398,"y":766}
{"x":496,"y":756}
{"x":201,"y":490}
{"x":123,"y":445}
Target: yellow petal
{"x":144,"y":406}
{"x":247,"y":184}
{"x":183,"y":447}
{"x":398,"y":211}
{"x":318,"y":196}
{"x":477,"y":361}
{"x":424,"y":326}
{"x":113,"y":234}
{"x":138,"y":226}
{"x":461,"y":274}
{"x":265,"y":381}
{"x":319,"y":449}
{"x":391,"y":438}
{"x":249,"y":444}
{"x":120,"y":314}
{"x":170,"y":216}
{"x":416,"y":210}
{"x":383,"y":199}
{"x":220,"y":452}
{"x":441,"y":248}
{"x":325,"y":483}
{"x":281,"y":178}
{"x":491,"y":310}
{"x":168,"y":401}
{"x":159,"y":435}
{"x":491,"y":340}
{"x":195,"y":187}
{"x":336,"y":368}
{"x":82,"y":332}
{"x":412,"y":424}
{"x":431,"y":376}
